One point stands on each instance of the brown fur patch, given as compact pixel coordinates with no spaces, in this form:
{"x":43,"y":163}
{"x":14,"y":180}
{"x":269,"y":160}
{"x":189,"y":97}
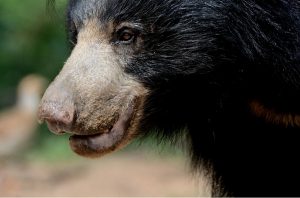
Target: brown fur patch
{"x":273,"y":116}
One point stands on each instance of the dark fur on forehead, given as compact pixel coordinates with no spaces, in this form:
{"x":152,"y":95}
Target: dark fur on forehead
{"x":170,"y":30}
{"x":173,"y":32}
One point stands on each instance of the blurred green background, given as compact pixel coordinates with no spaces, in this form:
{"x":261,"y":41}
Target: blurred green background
{"x":33,"y":41}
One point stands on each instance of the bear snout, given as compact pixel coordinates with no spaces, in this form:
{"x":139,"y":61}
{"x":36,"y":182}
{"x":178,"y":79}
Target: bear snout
{"x":58,"y":111}
{"x":58,"y":118}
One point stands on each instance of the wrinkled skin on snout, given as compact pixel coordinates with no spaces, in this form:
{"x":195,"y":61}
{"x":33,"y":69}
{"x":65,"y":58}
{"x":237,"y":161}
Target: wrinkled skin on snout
{"x":92,"y":97}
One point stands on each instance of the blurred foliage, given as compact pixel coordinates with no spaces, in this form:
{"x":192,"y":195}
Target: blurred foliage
{"x":32,"y":41}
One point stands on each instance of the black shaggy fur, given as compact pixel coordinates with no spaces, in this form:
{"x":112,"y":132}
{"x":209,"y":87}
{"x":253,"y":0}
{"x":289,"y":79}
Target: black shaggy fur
{"x":205,"y":61}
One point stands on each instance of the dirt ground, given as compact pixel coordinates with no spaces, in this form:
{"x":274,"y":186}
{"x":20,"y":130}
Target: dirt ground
{"x":116,"y":175}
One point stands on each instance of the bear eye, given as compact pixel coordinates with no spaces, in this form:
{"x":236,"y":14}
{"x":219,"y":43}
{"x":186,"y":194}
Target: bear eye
{"x":126,"y":36}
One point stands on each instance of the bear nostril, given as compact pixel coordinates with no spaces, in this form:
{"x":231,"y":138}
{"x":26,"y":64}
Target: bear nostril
{"x":64,"y":118}
{"x":59,"y":118}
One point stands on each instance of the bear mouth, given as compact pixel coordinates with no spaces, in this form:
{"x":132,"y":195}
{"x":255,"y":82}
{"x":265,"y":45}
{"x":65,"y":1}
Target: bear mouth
{"x":95,"y":145}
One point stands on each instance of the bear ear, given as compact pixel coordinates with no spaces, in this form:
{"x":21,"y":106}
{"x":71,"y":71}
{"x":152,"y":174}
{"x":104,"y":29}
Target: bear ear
{"x":273,"y":115}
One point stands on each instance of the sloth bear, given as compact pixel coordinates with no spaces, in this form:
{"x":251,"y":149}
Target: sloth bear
{"x":227,"y":71}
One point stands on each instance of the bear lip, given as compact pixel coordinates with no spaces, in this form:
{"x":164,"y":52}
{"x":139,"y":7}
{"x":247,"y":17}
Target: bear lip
{"x":95,"y":145}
